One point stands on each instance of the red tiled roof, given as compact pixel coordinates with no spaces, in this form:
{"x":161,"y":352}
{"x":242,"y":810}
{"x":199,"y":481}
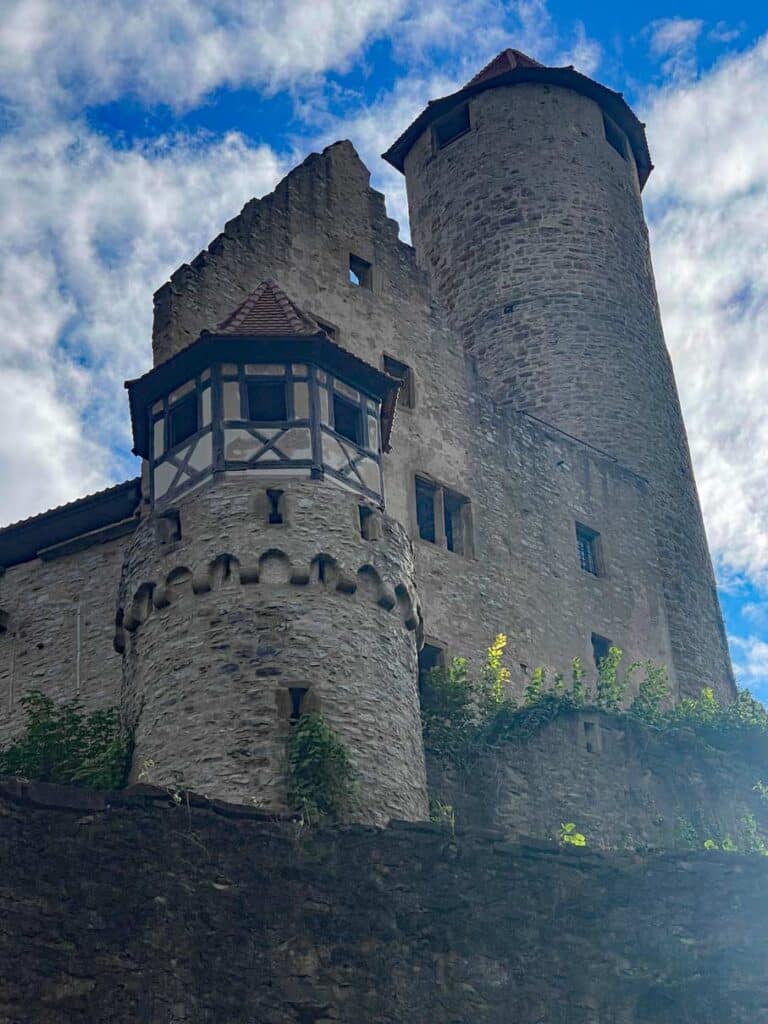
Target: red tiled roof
{"x":267,"y":311}
{"x":507,"y":60}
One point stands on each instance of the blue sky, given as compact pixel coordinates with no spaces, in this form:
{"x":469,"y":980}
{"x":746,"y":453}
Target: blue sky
{"x":130,"y":132}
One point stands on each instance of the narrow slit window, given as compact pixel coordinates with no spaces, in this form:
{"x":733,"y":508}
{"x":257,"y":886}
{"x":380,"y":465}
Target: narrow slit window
{"x":267,"y":401}
{"x":297,"y":695}
{"x":347,"y":419}
{"x":183,"y":420}
{"x":396,"y":368}
{"x":426,"y":509}
{"x":275,"y":498}
{"x":360,"y":272}
{"x":588,"y":544}
{"x":614,"y":137}
{"x":452,"y":127}
{"x":370,"y":523}
{"x":600,"y":648}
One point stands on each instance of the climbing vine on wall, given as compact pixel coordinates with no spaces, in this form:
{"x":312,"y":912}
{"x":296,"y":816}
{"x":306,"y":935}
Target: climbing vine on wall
{"x":321,"y":778}
{"x":62,"y":743}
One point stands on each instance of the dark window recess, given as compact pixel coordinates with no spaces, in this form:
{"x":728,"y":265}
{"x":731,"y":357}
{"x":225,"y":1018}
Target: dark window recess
{"x":403,"y":372}
{"x":457,"y":527}
{"x":360,"y":272}
{"x":182,"y":420}
{"x":276,"y":506}
{"x":587,"y":542}
{"x":329,"y":329}
{"x":370,"y":523}
{"x":600,"y":648}
{"x":347,"y":419}
{"x":614,"y":137}
{"x":425,"y":510}
{"x":267,"y":402}
{"x":297,"y":695}
{"x":168,"y":526}
{"x":430,"y":656}
{"x":452,"y":127}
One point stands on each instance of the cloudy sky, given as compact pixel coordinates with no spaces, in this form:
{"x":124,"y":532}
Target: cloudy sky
{"x":130,"y":131}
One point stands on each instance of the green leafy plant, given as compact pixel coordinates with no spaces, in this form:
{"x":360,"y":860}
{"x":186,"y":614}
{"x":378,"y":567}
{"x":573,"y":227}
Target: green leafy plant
{"x":320,"y":773}
{"x":62,"y":743}
{"x":568,"y":835}
{"x":611,"y":687}
{"x":652,"y":694}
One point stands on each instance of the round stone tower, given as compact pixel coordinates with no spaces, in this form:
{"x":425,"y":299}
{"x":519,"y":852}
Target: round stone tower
{"x":524,"y":196}
{"x":264,"y":580}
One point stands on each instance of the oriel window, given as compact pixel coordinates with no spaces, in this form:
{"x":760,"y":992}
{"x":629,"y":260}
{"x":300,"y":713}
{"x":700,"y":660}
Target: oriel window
{"x":267,"y":401}
{"x":347,"y":419}
{"x":183,"y":420}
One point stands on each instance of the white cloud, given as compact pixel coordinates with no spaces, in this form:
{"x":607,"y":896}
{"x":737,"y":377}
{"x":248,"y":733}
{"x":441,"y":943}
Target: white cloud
{"x":87,"y":233}
{"x":708,"y":206}
{"x":673,"y":40}
{"x":177,"y":51}
{"x":750,"y":662}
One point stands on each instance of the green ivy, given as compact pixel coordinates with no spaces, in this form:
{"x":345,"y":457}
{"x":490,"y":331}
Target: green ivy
{"x":321,"y":777}
{"x":62,"y":743}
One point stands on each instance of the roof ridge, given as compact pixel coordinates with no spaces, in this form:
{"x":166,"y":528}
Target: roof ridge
{"x":506,"y":60}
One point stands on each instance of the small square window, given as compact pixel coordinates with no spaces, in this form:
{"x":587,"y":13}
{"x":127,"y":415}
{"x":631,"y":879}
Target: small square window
{"x":588,"y":544}
{"x":360,"y":272}
{"x":425,"y":509}
{"x":452,"y":126}
{"x":347,"y":419}
{"x":267,"y":402}
{"x":403,"y":372}
{"x":600,"y":648}
{"x":182,"y":420}
{"x":614,"y":137}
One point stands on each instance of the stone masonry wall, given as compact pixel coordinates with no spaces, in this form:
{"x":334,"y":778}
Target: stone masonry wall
{"x":623,"y":785}
{"x":532,"y":230}
{"x":528,"y":484}
{"x":39,"y":650}
{"x":219,"y":625}
{"x":132,"y":909}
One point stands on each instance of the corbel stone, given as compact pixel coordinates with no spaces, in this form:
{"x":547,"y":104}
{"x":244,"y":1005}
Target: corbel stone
{"x":346,"y":582}
{"x":386,"y":598}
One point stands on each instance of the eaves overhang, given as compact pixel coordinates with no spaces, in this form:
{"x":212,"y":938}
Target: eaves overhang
{"x":612,"y":103}
{"x":212,"y":348}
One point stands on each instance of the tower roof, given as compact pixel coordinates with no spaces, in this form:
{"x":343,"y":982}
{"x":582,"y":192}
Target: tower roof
{"x":267,"y":312}
{"x":511,"y":67}
{"x":507,"y":60}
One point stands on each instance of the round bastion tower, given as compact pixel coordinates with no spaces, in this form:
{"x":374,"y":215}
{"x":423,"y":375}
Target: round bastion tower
{"x":264,"y":580}
{"x":525,"y":209}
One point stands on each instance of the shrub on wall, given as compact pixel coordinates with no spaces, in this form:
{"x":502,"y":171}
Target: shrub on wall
{"x":61,"y":743}
{"x":320,"y":773}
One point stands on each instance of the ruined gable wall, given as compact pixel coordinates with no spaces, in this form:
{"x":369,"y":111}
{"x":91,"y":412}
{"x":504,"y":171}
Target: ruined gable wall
{"x":528,"y":484}
{"x":38,"y":651}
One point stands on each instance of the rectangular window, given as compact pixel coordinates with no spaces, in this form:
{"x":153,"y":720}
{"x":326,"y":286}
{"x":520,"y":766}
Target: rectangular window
{"x":600,"y":647}
{"x":588,"y":544}
{"x":443,"y":517}
{"x":425,"y":510}
{"x":267,"y":401}
{"x":430,"y":656}
{"x":614,"y":137}
{"x":360,"y":272}
{"x":452,"y":126}
{"x":403,"y":372}
{"x":347,"y":419}
{"x":182,"y":420}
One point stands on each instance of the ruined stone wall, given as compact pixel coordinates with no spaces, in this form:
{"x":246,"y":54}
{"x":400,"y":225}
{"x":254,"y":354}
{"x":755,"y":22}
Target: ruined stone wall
{"x":221,"y":624}
{"x":49,"y":603}
{"x":531,"y":228}
{"x":527,"y":483}
{"x":623,"y":784}
{"x":135,"y":910}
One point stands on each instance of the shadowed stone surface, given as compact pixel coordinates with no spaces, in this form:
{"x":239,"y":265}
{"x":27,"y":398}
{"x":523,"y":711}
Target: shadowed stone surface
{"x":142,"y":911}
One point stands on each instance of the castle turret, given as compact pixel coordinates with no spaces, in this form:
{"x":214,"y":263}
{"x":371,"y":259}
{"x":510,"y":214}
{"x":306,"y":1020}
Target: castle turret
{"x":264,"y":579}
{"x":524,"y":196}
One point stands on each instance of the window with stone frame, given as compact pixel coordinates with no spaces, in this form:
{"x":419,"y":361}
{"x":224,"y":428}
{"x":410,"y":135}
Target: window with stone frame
{"x":431,"y":655}
{"x":590,"y":550}
{"x":402,"y":371}
{"x":601,"y":645}
{"x":360,"y":272}
{"x":183,"y":419}
{"x":443,"y":516}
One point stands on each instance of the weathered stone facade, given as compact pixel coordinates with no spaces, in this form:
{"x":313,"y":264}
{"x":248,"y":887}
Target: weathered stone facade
{"x":132,"y":909}
{"x":540,"y":397}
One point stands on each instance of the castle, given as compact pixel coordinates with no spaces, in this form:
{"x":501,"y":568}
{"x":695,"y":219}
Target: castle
{"x":360,"y":457}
